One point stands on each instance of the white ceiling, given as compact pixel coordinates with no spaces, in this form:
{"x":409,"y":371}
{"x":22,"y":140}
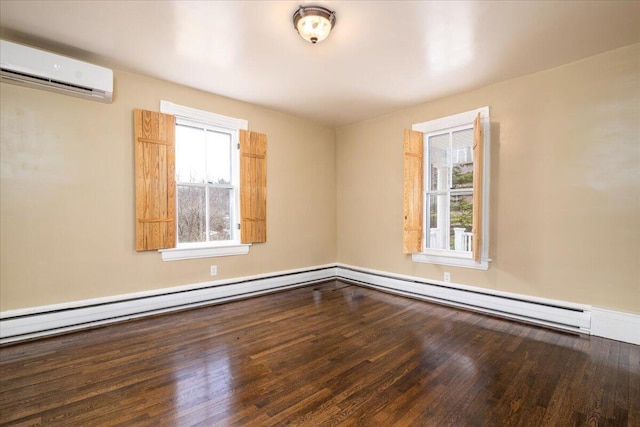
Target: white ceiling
{"x":382,"y":56}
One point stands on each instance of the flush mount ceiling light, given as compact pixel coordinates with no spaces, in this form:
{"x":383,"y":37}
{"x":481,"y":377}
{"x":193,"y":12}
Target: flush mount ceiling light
{"x":314,"y":22}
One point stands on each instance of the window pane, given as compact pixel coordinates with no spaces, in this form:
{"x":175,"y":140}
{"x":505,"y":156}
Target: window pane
{"x":439,"y":163}
{"x":437,"y":236}
{"x":461,"y":221}
{"x":190,"y":160}
{"x":218,"y":157}
{"x":191,"y":214}
{"x":462,"y":159}
{"x":220,"y":213}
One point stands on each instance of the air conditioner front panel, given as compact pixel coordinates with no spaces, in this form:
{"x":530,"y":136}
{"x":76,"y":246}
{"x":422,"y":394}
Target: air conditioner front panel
{"x":37,"y":68}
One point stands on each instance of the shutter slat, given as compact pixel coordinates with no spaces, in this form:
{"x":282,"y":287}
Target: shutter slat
{"x":253,"y":187}
{"x":412,"y":206}
{"x":154,"y":135}
{"x":478,"y":168}
{"x":153,"y":141}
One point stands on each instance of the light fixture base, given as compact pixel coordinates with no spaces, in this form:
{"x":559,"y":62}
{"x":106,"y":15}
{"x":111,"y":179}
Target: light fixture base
{"x":314,"y":23}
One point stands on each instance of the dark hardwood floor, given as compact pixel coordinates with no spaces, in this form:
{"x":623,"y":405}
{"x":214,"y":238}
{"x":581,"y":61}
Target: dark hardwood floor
{"x":330,"y":354}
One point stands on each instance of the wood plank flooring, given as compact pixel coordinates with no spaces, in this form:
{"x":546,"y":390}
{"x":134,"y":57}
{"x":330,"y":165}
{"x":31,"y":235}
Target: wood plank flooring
{"x":325,"y":355}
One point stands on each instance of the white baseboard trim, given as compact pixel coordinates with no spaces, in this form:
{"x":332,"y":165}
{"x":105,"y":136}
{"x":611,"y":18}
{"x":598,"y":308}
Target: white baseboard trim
{"x":18,"y":325}
{"x":581,"y":318}
{"x":23,"y":324}
{"x":553,"y":313}
{"x":615,"y":325}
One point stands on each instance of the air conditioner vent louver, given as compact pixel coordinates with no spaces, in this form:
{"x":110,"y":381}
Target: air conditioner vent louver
{"x":20,"y":77}
{"x":35,"y":68}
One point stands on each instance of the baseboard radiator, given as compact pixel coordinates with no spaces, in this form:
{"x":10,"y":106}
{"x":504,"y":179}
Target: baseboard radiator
{"x":540,"y":311}
{"x":23,"y":324}
{"x":19,"y":325}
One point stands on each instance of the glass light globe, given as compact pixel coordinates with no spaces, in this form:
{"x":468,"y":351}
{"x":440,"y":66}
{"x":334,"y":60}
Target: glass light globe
{"x":314,"y":28}
{"x":314,"y":23}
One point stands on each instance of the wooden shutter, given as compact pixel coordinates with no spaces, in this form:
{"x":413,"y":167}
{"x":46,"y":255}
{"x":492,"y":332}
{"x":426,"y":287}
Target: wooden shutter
{"x":412,"y":224}
{"x":154,"y":135}
{"x":478,"y":158}
{"x":253,"y":187}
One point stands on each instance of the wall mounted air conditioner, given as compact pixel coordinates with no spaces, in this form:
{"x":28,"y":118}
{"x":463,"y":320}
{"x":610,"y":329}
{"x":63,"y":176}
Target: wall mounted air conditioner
{"x":26,"y":66}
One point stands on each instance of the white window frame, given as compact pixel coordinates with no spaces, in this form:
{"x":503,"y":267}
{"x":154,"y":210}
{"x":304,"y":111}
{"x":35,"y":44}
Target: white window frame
{"x":450,"y":257}
{"x":185,"y":115}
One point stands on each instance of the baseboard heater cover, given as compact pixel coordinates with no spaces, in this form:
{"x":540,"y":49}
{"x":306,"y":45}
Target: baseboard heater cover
{"x":546,"y":312}
{"x":19,"y":325}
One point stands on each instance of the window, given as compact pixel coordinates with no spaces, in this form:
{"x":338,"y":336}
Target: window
{"x":200,"y":183}
{"x":206,"y":184}
{"x":446,"y":190}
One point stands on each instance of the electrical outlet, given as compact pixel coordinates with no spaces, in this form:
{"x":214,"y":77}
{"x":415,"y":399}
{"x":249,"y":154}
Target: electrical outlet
{"x":447,"y":276}
{"x":213,"y":270}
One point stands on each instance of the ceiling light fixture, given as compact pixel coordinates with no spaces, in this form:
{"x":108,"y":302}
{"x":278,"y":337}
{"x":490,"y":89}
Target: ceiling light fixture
{"x":314,"y":22}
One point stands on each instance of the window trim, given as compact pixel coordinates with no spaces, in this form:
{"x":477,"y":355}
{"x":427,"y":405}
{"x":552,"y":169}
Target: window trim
{"x":213,"y":119}
{"x":436,"y":256}
{"x":207,"y":249}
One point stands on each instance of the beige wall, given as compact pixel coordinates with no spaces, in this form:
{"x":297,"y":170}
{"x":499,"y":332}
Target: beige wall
{"x":67,"y":195}
{"x":565,"y":184}
{"x":565,"y":196}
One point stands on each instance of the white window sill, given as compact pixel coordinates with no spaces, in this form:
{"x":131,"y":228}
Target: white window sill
{"x":452,"y":261}
{"x":176,"y":254}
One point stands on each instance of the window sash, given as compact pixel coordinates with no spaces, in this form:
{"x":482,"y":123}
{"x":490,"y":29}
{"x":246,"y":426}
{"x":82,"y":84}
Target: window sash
{"x":442,"y":194}
{"x":207,"y":213}
{"x":233,"y":186}
{"x":207,"y":184}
